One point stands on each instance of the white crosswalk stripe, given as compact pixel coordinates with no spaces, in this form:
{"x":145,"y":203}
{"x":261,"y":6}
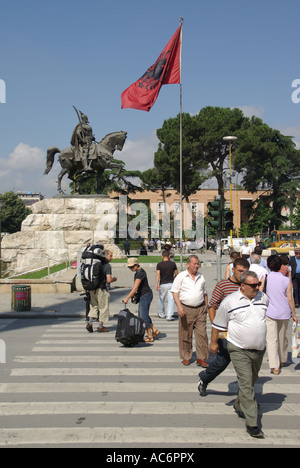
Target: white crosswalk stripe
{"x":93,"y":391}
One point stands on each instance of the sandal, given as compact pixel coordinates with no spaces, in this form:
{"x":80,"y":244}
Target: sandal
{"x":147,"y":339}
{"x":156,"y":333}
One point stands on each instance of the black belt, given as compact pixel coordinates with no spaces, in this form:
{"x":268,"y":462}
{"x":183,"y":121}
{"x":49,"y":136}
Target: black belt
{"x":192,"y":307}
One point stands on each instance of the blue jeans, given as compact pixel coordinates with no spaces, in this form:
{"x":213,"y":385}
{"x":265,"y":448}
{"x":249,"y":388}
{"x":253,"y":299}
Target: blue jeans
{"x":144,"y":306}
{"x":165,"y":290}
{"x":219,"y":364}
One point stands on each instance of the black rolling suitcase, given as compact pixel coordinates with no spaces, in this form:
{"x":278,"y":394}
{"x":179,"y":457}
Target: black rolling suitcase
{"x":130,"y":329}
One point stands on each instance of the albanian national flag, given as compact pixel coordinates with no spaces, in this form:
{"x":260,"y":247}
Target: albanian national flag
{"x":166,"y":70}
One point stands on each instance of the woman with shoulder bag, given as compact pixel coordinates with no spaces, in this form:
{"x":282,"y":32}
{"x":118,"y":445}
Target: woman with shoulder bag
{"x":142,"y":294}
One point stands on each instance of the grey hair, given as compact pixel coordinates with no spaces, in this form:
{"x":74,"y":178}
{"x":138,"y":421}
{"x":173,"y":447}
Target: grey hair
{"x":245,"y":275}
{"x":256,"y":259}
{"x":189,"y":259}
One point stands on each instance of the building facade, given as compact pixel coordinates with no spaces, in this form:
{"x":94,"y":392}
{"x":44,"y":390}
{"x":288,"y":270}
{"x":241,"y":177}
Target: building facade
{"x":160,"y":202}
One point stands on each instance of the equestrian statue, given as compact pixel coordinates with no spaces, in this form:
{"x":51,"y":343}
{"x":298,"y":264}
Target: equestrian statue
{"x":86,"y":155}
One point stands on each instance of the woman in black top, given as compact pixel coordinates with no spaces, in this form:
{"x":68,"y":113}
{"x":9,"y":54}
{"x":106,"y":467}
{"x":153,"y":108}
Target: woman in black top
{"x":142,"y":291}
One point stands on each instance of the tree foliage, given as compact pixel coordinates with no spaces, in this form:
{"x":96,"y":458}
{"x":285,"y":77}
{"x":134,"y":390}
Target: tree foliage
{"x":295,"y":216}
{"x":127,"y":182}
{"x":212,"y":125}
{"x":205,"y":153}
{"x":269,"y":159}
{"x":166,"y":171}
{"x":13,"y":212}
{"x":264,"y":157}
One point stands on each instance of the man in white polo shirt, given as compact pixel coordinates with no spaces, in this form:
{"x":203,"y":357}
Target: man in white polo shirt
{"x":243,"y":315}
{"x":190,"y":296}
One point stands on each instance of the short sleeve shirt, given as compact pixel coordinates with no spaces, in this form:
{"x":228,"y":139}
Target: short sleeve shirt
{"x":244,"y":319}
{"x":144,"y":287}
{"x":191,"y":291}
{"x":167,"y":270}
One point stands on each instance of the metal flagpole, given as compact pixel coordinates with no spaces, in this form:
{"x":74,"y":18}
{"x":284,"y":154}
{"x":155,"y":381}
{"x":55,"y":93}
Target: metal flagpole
{"x":181,"y":213}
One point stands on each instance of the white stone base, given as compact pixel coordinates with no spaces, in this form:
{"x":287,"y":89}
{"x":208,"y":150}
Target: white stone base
{"x":57,"y":229}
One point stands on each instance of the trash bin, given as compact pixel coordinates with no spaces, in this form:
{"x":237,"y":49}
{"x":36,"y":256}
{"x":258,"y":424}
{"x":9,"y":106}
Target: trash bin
{"x":20,"y":298}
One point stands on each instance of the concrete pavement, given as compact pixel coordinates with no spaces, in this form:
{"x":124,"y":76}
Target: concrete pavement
{"x":73,"y":304}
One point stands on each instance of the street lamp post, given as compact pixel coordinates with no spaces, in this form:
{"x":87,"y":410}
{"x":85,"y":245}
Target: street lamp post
{"x":230,"y":139}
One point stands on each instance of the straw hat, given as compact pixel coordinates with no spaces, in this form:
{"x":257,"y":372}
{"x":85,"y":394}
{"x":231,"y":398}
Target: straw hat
{"x":132,"y":261}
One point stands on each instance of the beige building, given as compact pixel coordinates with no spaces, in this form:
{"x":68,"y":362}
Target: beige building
{"x":240,"y":200}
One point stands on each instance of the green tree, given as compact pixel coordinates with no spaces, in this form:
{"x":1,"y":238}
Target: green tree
{"x":205,"y":153}
{"x":13,"y":212}
{"x":156,"y":179}
{"x":295,"y":216}
{"x":166,"y":172}
{"x":260,"y":214}
{"x":211,"y":125}
{"x":268,"y":159}
{"x":126,"y":182}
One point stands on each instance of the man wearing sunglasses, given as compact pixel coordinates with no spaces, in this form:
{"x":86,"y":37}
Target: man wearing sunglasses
{"x":243,"y":315}
{"x":222,"y":289}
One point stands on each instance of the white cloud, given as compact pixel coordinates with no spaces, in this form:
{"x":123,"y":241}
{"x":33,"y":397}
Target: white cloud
{"x":249,"y":111}
{"x":23,"y":171}
{"x":294,"y":132}
{"x":139,"y":155}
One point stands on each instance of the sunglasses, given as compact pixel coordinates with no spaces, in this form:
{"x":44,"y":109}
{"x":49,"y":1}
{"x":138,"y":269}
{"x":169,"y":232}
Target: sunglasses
{"x":255,"y":285}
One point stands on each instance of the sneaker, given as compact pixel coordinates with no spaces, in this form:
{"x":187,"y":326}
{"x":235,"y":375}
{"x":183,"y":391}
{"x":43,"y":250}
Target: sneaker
{"x":255,"y":432}
{"x":170,"y":319}
{"x":202,"y":388}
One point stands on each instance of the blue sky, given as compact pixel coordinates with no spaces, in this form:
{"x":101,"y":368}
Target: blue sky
{"x":55,"y":54}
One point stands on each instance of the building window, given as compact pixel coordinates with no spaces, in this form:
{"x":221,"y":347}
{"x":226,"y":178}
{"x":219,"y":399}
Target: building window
{"x":161,"y":207}
{"x":194,"y":207}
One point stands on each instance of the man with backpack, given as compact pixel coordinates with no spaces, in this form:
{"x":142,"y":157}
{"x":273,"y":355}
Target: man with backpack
{"x":100,"y":296}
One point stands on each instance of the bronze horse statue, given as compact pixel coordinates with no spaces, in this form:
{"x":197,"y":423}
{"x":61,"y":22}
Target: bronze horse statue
{"x":101,"y":156}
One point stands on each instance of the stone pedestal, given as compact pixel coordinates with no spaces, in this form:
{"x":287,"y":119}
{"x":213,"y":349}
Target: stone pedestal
{"x":57,"y":229}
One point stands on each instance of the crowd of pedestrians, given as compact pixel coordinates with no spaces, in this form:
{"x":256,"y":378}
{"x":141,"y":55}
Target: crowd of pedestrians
{"x":249,"y":311}
{"x":249,"y":321}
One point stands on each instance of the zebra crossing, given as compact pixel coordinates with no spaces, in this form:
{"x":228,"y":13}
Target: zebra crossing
{"x":80,"y":389}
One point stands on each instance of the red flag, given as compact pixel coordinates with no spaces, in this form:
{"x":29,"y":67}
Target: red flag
{"x":166,"y":70}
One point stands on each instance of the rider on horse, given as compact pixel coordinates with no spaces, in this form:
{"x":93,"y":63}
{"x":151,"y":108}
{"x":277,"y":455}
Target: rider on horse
{"x":82,"y":140}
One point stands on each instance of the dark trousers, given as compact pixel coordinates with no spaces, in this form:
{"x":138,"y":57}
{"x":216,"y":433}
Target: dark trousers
{"x":296,"y":288}
{"x":219,"y":364}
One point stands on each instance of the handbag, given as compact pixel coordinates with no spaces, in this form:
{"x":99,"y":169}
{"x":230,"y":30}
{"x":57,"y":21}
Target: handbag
{"x":135,"y":299}
{"x":295,"y":343}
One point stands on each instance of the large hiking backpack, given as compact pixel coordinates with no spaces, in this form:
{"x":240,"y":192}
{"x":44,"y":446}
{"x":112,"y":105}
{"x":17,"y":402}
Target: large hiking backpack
{"x":91,"y":268}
